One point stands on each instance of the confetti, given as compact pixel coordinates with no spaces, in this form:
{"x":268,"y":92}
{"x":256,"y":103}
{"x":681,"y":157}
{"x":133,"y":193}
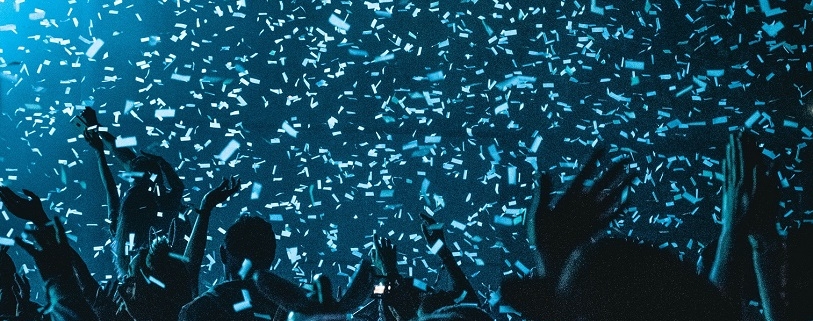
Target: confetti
{"x":94,"y":48}
{"x":228,"y":151}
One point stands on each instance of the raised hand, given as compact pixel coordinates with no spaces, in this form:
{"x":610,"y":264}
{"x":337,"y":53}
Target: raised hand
{"x":219,"y":194}
{"x":22,"y":288}
{"x":153,"y":157}
{"x":90,"y":117}
{"x":763,"y":212}
{"x":581,"y":212}
{"x":28,"y":208}
{"x":50,"y":251}
{"x":320,"y":301}
{"x":384,"y":256}
{"x":432,"y":230}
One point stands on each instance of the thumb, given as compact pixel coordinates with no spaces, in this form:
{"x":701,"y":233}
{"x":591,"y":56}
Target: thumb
{"x":31,"y":195}
{"x":61,"y":237}
{"x":323,"y":289}
{"x":27,"y":247}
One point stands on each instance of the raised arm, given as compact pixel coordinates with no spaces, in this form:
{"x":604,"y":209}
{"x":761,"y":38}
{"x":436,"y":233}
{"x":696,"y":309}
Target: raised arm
{"x":53,"y":259}
{"x":580,"y":213}
{"x":28,"y":208}
{"x":113,"y":200}
{"x":737,"y":192}
{"x":433,"y":232}
{"x":197,"y":240}
{"x":122,"y":154}
{"x":767,"y":247}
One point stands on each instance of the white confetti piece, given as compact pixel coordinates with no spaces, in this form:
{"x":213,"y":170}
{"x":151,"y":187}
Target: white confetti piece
{"x":635,"y":65}
{"x":94,"y":48}
{"x":289,"y":130}
{"x":228,"y":151}
{"x":338,"y":22}
{"x":179,"y":77}
{"x":126,"y":141}
{"x":256,"y":188}
{"x":164,"y":113}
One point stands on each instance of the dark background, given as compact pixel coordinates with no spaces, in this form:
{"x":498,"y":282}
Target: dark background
{"x":403,"y":72}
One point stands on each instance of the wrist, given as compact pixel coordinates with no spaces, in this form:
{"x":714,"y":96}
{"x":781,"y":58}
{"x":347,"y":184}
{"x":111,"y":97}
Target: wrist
{"x":445,"y":253}
{"x":390,"y":271}
{"x":41,"y":223}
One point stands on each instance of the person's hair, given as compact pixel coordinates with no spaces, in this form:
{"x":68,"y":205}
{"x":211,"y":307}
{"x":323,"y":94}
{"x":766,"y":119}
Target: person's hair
{"x":252,"y":238}
{"x":165,"y":281}
{"x":145,"y":165}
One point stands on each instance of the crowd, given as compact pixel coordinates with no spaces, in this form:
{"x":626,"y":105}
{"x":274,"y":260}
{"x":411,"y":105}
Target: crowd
{"x":580,"y":273}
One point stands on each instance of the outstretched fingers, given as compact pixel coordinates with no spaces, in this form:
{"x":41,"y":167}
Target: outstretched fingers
{"x":27,"y":247}
{"x":610,"y":177}
{"x":588,"y":170}
{"x":59,"y":229}
{"x":8,"y":196}
{"x":545,"y":190}
{"x":616,"y":199}
{"x":235,"y":185}
{"x":34,"y":198}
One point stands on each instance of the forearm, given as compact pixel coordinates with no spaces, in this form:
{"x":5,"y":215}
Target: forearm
{"x":769,"y":257}
{"x":460,"y":283}
{"x":86,"y":281}
{"x":725,"y":271}
{"x":65,"y":300}
{"x":174,"y":181}
{"x":196,"y":247}
{"x":113,"y":200}
{"x":530,"y":223}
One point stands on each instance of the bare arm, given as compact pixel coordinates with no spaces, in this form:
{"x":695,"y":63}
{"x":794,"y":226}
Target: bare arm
{"x":433,"y":232}
{"x":113,"y":200}
{"x":738,"y":192}
{"x":197,"y":240}
{"x":460,"y":283}
{"x":769,"y":255}
{"x":196,"y":247}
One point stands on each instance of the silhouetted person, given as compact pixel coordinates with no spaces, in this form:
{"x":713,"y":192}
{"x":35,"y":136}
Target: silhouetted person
{"x":618,"y":279}
{"x":15,"y":290}
{"x":249,"y":245}
{"x":144,"y":207}
{"x":158,"y":284}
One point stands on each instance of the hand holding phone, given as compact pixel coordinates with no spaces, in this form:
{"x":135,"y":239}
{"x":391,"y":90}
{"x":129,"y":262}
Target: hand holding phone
{"x":382,"y":287}
{"x":79,"y":122}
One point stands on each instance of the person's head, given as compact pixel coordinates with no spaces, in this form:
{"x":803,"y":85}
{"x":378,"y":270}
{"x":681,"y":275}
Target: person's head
{"x":158,"y":284}
{"x":250,"y":238}
{"x":145,"y":167}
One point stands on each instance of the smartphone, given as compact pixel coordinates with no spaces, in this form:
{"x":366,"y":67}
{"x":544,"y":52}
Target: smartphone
{"x":382,"y":287}
{"x":79,"y":122}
